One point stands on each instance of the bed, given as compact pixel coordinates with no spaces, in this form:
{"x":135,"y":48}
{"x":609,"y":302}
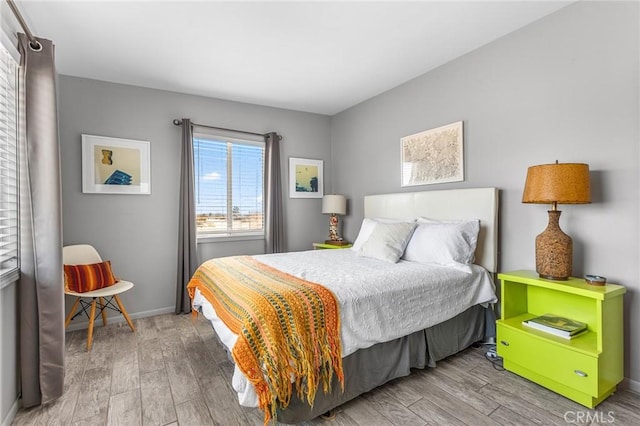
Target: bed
{"x":379,"y":341}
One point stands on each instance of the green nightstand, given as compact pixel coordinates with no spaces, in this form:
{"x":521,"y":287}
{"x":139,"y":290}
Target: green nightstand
{"x":587,"y":368}
{"x":322,"y":246}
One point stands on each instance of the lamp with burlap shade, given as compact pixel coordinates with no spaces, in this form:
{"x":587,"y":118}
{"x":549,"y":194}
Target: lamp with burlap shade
{"x":559,"y":183}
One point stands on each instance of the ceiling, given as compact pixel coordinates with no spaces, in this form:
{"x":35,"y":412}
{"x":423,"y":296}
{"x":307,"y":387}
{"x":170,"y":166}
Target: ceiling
{"x":321,"y":57}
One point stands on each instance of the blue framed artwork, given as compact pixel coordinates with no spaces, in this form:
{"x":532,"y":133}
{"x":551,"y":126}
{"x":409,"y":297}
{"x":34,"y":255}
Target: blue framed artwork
{"x":305,"y":178}
{"x":115,"y":166}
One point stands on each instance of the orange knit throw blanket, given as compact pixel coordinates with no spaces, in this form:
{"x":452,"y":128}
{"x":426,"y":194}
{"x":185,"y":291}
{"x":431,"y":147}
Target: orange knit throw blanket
{"x":288,"y":328}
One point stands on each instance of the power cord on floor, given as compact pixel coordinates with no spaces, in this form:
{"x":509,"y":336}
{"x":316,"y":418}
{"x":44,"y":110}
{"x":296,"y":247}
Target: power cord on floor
{"x":331,"y":414}
{"x":492,"y":356}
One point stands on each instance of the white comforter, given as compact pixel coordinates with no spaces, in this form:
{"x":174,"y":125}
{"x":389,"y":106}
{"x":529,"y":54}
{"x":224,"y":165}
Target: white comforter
{"x":379,"y":301}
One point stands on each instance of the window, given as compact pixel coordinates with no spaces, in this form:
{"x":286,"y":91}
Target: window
{"x":8,"y":168}
{"x":229,"y":176}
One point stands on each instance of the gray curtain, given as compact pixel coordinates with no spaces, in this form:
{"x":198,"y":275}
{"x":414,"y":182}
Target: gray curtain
{"x":41,"y":284}
{"x":187,"y":256}
{"x":274,"y":236}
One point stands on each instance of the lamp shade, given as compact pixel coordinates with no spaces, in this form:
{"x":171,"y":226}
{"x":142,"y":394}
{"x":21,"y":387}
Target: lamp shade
{"x":562,"y":183}
{"x":334,"y":204}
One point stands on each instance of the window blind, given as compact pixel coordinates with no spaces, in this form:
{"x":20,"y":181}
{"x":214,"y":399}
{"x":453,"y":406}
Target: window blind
{"x":229,"y":176}
{"x":8,"y":167}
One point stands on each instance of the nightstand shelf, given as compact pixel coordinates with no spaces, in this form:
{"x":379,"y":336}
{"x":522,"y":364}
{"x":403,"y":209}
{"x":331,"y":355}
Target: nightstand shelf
{"x":587,"y":368}
{"x":586,"y":343}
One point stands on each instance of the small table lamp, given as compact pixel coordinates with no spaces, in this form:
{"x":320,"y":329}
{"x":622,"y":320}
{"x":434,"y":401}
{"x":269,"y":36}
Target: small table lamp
{"x":564,"y":183}
{"x":334,"y":205}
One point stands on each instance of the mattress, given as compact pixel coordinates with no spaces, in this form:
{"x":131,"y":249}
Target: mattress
{"x":379,"y":301}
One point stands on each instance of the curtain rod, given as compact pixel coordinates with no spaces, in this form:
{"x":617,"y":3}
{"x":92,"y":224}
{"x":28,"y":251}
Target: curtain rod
{"x":179,"y":123}
{"x":33,"y":43}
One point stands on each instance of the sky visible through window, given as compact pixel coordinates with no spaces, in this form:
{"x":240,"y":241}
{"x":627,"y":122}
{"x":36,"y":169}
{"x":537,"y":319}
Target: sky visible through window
{"x":211,"y":158}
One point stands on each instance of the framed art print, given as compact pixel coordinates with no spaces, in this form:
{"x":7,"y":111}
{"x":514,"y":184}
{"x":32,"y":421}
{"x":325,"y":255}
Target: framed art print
{"x":305,"y":178}
{"x":115,"y":166}
{"x":433,"y":156}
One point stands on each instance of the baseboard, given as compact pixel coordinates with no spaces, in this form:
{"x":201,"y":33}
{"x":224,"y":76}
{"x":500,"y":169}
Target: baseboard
{"x":116,"y":319}
{"x":632,"y":385}
{"x":11,"y":414}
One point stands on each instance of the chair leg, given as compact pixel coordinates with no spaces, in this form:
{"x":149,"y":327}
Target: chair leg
{"x":104,"y":313}
{"x":124,"y":312}
{"x":92,"y":316}
{"x":71,"y":313}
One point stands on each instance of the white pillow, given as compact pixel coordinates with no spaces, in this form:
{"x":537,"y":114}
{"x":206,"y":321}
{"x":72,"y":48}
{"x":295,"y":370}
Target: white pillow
{"x":367,"y":228}
{"x":387,"y":241}
{"x":443,"y":242}
{"x":470,"y":228}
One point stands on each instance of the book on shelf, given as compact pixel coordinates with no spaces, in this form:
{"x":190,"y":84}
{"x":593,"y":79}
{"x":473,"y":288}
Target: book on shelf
{"x":555,"y":332}
{"x":557,"y":325}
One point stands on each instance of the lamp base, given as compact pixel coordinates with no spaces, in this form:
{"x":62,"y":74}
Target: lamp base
{"x":333,"y":227}
{"x":552,"y":278}
{"x":554,"y":251}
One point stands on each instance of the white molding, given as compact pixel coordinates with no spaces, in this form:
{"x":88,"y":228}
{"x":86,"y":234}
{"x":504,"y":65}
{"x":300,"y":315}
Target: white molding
{"x":116,"y":319}
{"x":12,"y":413}
{"x":632,"y":385}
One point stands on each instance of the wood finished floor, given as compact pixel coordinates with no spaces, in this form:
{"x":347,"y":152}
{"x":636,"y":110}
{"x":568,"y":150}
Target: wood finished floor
{"x":173,"y":371}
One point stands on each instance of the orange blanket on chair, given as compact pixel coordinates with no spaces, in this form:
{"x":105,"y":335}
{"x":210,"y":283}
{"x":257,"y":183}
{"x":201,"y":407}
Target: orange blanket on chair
{"x":287,"y":328}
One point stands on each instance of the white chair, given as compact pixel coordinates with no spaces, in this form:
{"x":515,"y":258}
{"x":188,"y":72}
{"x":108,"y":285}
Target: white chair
{"x":84,"y":254}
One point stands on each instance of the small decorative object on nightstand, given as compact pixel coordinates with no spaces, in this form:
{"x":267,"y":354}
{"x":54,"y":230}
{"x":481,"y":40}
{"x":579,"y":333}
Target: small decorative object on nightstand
{"x":334,"y":205}
{"x":564,"y":183}
{"x":332,"y":245}
{"x":585,"y":367}
{"x":595,"y":280}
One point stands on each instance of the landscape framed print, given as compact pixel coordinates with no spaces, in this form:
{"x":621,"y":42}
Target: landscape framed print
{"x":305,"y":178}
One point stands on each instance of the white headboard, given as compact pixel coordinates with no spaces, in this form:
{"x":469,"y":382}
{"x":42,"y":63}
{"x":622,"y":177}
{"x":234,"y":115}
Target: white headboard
{"x":471,"y":203}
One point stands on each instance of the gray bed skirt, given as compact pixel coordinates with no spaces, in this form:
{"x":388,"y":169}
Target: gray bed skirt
{"x":369,"y":368}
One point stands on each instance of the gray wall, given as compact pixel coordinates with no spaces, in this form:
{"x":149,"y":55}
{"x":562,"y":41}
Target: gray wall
{"x":565,"y":88}
{"x":138,"y":233}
